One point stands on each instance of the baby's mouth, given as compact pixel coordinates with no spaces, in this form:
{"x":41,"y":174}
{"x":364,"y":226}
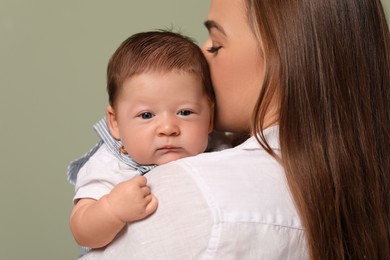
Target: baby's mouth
{"x":168,"y":148}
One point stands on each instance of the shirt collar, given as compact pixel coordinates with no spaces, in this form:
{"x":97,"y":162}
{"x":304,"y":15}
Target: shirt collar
{"x":271,"y":135}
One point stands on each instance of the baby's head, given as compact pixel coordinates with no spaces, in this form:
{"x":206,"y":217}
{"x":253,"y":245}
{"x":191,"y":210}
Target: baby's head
{"x":161,"y":102}
{"x":156,"y":51}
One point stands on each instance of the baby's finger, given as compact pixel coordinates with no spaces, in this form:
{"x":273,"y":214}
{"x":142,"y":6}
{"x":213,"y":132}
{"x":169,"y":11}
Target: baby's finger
{"x":145,"y":190}
{"x":148,"y":199}
{"x":140,"y":180}
{"x":152,"y":205}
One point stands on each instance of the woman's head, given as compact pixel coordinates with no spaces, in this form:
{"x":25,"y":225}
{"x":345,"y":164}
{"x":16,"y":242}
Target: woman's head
{"x":156,"y":51}
{"x":236,"y":64}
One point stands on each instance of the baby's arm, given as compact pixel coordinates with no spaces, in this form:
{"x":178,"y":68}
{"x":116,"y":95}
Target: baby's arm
{"x":95,"y":223}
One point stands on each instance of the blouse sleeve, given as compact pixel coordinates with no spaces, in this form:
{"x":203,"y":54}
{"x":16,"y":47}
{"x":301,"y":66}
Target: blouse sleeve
{"x":100,"y":174}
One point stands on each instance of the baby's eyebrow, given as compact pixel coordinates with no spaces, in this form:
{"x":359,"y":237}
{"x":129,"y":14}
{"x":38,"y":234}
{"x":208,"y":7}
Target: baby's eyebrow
{"x":210,"y":24}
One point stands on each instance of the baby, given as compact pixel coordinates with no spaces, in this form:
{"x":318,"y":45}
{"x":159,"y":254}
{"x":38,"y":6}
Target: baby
{"x":161,"y":107}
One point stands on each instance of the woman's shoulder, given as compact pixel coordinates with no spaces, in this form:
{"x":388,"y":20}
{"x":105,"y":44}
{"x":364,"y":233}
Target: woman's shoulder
{"x":249,"y":152}
{"x":242,"y":186}
{"x":234,"y":178}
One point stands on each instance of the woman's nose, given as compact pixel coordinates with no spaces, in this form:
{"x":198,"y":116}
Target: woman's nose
{"x":168,"y":127}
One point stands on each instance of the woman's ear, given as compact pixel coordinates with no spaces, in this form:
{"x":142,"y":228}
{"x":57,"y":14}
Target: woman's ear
{"x":212,"y":111}
{"x":112,"y":122}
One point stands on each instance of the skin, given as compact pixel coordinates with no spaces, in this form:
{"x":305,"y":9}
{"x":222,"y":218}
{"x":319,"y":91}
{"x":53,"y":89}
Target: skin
{"x":237,"y":67}
{"x":159,"y":117}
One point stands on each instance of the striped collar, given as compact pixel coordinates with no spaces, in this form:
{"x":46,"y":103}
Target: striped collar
{"x":101,"y":128}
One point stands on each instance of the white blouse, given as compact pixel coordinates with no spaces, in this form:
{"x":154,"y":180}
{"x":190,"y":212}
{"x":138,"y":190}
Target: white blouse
{"x":232,"y":204}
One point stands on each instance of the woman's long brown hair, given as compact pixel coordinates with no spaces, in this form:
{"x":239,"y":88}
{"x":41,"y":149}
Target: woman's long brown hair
{"x":328,"y":67}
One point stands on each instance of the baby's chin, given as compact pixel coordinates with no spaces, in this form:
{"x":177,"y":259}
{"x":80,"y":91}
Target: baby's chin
{"x":170,"y":157}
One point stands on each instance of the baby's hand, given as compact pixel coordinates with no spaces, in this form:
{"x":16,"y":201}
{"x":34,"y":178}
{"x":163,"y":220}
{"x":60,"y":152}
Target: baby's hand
{"x":131,"y":200}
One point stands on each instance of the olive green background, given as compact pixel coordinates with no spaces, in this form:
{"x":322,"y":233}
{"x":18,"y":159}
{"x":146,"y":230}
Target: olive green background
{"x":53,"y":57}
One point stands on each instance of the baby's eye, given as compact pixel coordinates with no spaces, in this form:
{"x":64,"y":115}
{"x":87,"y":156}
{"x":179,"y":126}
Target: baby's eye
{"x":185,"y":112}
{"x":146,"y":115}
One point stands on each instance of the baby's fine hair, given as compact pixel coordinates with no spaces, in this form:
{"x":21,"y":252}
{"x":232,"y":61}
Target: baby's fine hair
{"x":156,"y":51}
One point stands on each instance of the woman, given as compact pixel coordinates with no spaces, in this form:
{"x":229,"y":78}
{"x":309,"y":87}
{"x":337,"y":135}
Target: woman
{"x":309,"y":79}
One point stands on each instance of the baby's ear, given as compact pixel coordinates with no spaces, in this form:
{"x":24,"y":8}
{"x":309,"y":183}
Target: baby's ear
{"x":112,"y":122}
